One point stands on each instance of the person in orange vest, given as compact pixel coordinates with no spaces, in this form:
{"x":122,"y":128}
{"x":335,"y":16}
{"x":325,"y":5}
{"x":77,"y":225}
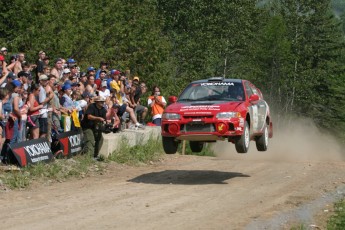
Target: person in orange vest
{"x":157,"y":103}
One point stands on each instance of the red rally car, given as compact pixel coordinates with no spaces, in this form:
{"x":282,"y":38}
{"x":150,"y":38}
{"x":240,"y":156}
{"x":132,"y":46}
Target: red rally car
{"x":217,"y":109}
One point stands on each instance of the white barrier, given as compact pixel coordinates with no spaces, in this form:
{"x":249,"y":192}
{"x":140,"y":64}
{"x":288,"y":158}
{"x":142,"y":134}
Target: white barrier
{"x":112,"y":141}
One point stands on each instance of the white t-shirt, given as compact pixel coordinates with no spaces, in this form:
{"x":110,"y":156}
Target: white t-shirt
{"x":105,"y":94}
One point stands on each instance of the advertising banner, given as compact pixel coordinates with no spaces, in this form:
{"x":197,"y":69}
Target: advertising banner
{"x":70,"y":143}
{"x":32,"y":151}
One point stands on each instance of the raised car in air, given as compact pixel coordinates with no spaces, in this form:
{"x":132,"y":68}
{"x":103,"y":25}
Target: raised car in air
{"x":216,"y":109}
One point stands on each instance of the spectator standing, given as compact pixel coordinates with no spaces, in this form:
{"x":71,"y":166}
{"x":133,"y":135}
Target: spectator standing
{"x":4,"y":53}
{"x":46,"y":61}
{"x":157,"y":103}
{"x":95,"y":116}
{"x":2,"y":64}
{"x":33,"y":112}
{"x":40,"y":64}
{"x":66,"y":100}
{"x":57,"y":108}
{"x":57,"y":69}
{"x":24,"y":112}
{"x":15,"y":103}
{"x":4,"y":97}
{"x":18,"y":64}
{"x":45,"y":97}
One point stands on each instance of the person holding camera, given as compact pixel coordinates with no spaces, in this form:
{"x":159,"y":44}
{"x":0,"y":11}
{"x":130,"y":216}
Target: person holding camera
{"x":92,"y":124}
{"x":157,"y":104}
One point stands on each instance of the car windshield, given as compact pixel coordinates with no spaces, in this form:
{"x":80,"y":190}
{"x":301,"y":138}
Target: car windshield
{"x":213,"y":91}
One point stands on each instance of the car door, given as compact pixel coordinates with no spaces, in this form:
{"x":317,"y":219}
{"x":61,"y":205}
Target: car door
{"x":261,"y":108}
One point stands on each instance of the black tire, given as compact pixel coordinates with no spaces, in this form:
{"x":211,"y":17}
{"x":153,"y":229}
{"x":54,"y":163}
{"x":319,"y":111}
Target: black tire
{"x":196,"y":146}
{"x":242,"y":144}
{"x":169,"y":145}
{"x":262,"y":141}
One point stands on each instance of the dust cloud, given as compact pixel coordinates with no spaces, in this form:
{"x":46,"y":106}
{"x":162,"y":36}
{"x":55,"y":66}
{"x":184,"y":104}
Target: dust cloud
{"x":299,"y":142}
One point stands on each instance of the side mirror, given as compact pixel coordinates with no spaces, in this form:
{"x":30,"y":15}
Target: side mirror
{"x":254,"y":97}
{"x":172,"y":99}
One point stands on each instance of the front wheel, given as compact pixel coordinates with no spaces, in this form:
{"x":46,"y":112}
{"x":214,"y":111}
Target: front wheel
{"x":242,"y":144}
{"x":196,"y":146}
{"x":169,"y":145}
{"x":262,"y":141}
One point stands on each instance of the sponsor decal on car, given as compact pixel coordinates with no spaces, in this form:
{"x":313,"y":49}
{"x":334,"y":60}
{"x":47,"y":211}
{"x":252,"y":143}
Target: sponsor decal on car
{"x":199,"y":107}
{"x":216,"y":83}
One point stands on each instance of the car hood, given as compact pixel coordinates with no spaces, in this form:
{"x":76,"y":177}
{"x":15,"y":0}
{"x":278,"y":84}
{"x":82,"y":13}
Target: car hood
{"x":203,"y":107}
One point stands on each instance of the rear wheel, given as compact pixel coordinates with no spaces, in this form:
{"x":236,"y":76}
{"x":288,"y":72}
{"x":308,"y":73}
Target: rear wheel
{"x":242,"y":144}
{"x":196,"y":146}
{"x":169,"y":145}
{"x":262,"y":141}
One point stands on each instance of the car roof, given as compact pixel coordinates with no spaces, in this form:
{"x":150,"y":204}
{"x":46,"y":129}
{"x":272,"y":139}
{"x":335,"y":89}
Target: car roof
{"x":218,"y":79}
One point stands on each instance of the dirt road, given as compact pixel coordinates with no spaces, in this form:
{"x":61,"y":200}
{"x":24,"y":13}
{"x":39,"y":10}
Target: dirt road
{"x":270,"y":190}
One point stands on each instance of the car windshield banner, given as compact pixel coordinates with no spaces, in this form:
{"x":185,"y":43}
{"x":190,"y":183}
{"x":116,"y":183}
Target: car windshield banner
{"x":70,"y":143}
{"x":32,"y":151}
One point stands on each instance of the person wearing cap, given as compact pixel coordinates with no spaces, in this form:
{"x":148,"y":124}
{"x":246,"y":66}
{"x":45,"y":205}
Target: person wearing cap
{"x":46,"y":94}
{"x":91,"y":71}
{"x":71,"y":62}
{"x":102,"y":77}
{"x":103,"y":91}
{"x":10,"y":77}
{"x":94,"y":117}
{"x":66,"y":100}
{"x":65,"y":75}
{"x":76,"y":87}
{"x":57,"y":69}
{"x":4,"y":53}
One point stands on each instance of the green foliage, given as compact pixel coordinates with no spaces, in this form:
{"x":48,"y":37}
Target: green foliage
{"x":141,"y":153}
{"x":337,"y":221}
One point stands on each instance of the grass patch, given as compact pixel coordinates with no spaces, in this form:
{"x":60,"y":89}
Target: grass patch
{"x":337,"y":221}
{"x":206,"y":151}
{"x":141,"y":153}
{"x":58,"y":170}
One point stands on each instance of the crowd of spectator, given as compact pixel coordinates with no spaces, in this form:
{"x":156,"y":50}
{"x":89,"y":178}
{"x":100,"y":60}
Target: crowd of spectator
{"x":39,"y":99}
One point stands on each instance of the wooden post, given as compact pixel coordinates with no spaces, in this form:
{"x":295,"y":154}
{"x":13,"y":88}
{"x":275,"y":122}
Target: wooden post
{"x":183,"y":147}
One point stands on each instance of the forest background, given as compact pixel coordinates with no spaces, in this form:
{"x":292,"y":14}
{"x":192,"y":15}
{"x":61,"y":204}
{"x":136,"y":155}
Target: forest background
{"x":293,"y":50}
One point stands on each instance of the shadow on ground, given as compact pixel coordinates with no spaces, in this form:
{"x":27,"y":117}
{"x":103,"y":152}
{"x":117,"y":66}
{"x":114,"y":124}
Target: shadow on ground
{"x":188,"y":177}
